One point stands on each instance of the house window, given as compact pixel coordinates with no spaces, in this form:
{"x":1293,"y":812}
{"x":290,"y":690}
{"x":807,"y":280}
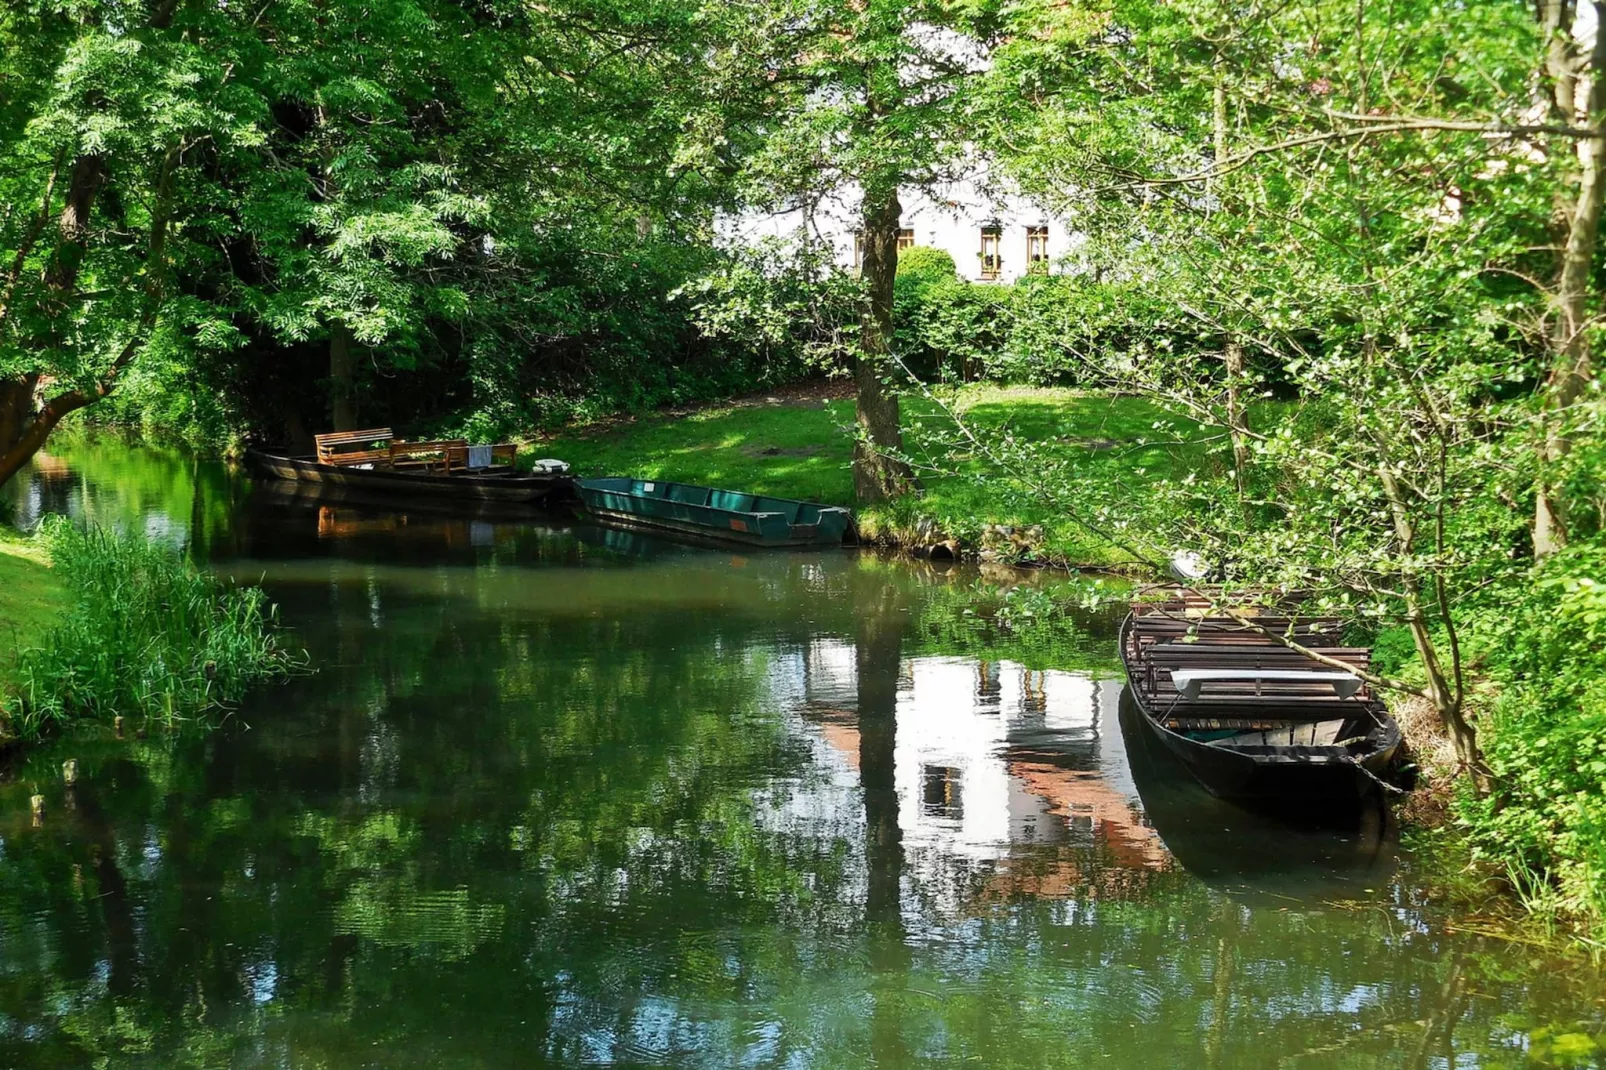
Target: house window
{"x":990,"y":260}
{"x":1037,"y":248}
{"x":906,"y":238}
{"x":941,"y":793}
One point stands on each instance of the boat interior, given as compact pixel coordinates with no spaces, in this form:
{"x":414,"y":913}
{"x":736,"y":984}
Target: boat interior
{"x":1218,"y":680}
{"x":378,"y":447}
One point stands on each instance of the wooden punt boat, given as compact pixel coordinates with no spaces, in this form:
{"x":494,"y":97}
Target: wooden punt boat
{"x":707,"y":513}
{"x":1251,"y":719}
{"x":375,"y":462}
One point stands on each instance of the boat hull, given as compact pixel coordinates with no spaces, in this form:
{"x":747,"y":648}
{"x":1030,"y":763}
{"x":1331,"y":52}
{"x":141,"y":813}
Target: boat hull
{"x":1231,"y":774}
{"x":700,"y":514}
{"x":1271,"y":774}
{"x":516,"y":489}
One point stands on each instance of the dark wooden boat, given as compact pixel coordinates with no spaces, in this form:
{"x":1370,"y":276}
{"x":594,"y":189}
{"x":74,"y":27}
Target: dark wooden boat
{"x":707,"y":513}
{"x":373,"y":462}
{"x":1251,"y":719}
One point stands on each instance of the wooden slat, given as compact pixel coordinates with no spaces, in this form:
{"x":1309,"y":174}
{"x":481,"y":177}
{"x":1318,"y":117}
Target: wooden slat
{"x":335,"y":438}
{"x":331,"y":451}
{"x":431,"y":454}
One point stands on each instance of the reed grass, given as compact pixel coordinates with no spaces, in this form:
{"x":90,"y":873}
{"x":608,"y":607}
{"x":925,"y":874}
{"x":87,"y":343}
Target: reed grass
{"x":145,"y":635}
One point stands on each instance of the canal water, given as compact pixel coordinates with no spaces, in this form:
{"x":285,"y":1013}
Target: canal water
{"x":560,"y":796}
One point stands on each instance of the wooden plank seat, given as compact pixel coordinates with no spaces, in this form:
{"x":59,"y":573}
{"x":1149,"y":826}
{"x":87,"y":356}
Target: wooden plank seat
{"x":498,"y":456}
{"x":1191,"y":682}
{"x":354,"y":447}
{"x":1311,"y":632}
{"x":435,"y":454}
{"x":1251,"y":682}
{"x":1241,"y":724}
{"x":1259,"y":656}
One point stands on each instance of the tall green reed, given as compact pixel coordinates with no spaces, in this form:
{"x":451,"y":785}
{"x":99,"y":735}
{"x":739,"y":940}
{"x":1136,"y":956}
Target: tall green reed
{"x":146,"y":635}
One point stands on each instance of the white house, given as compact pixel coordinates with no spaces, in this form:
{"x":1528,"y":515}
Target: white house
{"x":992,"y":237}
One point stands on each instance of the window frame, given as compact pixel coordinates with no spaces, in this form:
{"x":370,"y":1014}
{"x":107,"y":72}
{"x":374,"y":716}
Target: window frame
{"x":994,"y":234}
{"x":1037,"y":247}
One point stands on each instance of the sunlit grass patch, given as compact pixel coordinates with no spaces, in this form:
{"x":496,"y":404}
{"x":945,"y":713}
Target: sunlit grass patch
{"x":805,"y":451}
{"x":32,"y":597}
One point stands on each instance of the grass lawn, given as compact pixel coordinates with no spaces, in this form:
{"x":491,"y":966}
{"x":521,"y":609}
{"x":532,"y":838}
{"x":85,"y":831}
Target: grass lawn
{"x":31,"y":598}
{"x":801,"y":447}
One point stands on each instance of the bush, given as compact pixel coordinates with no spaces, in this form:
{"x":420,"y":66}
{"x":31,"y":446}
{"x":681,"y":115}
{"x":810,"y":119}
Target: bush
{"x":921,"y":265}
{"x":146,"y":634}
{"x":1545,"y":737}
{"x":1042,"y":330}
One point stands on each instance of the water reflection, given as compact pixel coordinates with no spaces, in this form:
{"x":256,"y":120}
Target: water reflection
{"x":552,"y":800}
{"x":1000,"y":779}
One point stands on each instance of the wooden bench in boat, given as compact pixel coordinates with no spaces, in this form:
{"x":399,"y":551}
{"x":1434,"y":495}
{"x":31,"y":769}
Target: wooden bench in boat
{"x":431,"y":456}
{"x":355,"y":447}
{"x":1270,"y":680}
{"x":1190,"y":682}
{"x":379,"y":446}
{"x":1239,"y":724}
{"x":499,"y":456}
{"x":1322,"y":631}
{"x":1248,"y":655}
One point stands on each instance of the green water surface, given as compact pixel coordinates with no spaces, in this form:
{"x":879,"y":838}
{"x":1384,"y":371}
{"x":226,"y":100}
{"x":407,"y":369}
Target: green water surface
{"x":560,"y":796}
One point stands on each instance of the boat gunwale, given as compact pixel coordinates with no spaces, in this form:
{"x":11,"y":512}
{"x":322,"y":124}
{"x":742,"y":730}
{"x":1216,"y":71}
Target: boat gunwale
{"x":712,"y":522}
{"x":706,"y":534}
{"x":309,"y":462}
{"x":581,"y":486}
{"x":526,"y":489}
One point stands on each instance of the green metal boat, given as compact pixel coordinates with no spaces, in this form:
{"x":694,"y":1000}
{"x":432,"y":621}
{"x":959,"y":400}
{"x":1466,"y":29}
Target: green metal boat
{"x":709,"y":513}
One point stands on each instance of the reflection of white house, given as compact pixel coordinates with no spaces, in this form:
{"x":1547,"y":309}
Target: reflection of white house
{"x":992,"y":237}
{"x":956,"y":718}
{"x":990,"y":760}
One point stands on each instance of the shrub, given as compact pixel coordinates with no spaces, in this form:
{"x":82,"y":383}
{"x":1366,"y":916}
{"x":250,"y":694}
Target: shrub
{"x":146,"y":634}
{"x":1043,"y":329}
{"x":922,"y":265}
{"x":1545,"y":737}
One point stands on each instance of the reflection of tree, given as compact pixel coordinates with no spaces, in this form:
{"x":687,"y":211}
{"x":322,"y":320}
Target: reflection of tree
{"x":110,"y":890}
{"x":879,"y":660}
{"x":880,"y":648}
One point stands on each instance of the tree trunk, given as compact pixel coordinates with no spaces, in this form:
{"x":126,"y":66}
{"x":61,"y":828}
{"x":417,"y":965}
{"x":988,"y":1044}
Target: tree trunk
{"x":342,"y":378}
{"x":1571,"y":365}
{"x":1234,"y":350}
{"x":1447,"y":695}
{"x":16,"y":409}
{"x":88,"y":172}
{"x":1235,"y":411}
{"x":35,"y":428}
{"x":878,"y":473}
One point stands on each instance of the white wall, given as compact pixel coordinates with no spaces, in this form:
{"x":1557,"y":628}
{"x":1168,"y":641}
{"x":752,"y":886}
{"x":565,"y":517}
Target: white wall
{"x":950,"y":218}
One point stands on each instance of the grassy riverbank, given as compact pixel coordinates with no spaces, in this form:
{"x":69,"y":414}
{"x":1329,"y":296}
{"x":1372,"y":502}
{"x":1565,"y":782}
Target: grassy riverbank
{"x":108,"y":625}
{"x":32,"y":597}
{"x":800,"y":445}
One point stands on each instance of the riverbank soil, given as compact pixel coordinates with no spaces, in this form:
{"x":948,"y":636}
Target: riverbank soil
{"x":800,"y":444}
{"x":31,"y":597}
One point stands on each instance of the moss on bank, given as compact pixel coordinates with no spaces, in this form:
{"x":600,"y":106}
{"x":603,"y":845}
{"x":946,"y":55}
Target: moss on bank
{"x":802,"y":447}
{"x":32,"y":598}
